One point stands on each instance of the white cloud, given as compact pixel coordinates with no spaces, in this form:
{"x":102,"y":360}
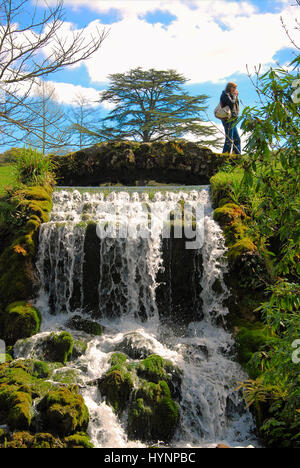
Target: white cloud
{"x":208,"y":42}
{"x":67,"y":93}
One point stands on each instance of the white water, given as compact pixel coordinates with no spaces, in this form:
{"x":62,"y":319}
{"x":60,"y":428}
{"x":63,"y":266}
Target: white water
{"x":211,"y":410}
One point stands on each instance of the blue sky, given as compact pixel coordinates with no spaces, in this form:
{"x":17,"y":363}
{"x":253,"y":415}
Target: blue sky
{"x":210,"y":42}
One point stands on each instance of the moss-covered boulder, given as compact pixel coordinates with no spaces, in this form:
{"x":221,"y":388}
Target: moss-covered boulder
{"x":82,"y":324}
{"x":153,"y":414}
{"x":148,"y":389}
{"x":152,"y":368}
{"x":15,"y":407}
{"x":32,"y":207}
{"x":58,"y":347}
{"x":43,"y":440}
{"x":228,"y":213}
{"x":63,"y":411}
{"x":20,"y":320}
{"x":78,"y":440}
{"x":117,"y":384}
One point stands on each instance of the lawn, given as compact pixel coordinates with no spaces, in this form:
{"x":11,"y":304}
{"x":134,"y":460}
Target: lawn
{"x":7,"y":177}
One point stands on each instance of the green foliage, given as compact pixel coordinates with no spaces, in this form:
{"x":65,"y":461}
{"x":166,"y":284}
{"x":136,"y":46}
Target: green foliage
{"x":272,"y":166}
{"x":151,"y":105}
{"x":268,"y":191}
{"x":10,"y":156}
{"x":34,"y":169}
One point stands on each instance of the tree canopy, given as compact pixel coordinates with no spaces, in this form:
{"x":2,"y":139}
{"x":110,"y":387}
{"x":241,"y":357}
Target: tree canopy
{"x":152,"y":105}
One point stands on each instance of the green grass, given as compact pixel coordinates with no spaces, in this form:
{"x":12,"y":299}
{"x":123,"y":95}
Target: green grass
{"x":7,"y":177}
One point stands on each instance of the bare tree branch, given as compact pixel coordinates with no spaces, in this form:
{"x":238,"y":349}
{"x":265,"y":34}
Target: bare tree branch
{"x":32,"y":46}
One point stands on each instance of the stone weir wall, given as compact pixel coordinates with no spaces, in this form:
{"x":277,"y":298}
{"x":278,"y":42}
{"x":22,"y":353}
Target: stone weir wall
{"x":131,"y":163}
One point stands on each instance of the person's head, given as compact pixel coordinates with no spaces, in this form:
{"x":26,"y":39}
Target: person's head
{"x":231,"y":87}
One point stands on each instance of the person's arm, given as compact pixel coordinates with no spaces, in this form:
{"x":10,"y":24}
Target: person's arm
{"x":228,"y":100}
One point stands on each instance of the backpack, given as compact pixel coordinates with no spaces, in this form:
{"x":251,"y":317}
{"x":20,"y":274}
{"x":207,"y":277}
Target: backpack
{"x":223,"y":113}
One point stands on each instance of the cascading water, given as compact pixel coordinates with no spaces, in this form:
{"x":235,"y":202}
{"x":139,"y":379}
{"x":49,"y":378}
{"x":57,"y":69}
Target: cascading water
{"x":103,"y":256}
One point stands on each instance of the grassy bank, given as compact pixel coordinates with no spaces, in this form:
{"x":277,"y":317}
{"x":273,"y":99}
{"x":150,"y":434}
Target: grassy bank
{"x":7,"y":177}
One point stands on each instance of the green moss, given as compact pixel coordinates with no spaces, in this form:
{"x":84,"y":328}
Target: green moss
{"x":153,"y":368}
{"x":88,"y":326}
{"x":40,"y":370}
{"x":31,"y":207}
{"x":228,"y":213}
{"x":63,"y":411}
{"x":147,"y":389}
{"x":116,"y":386}
{"x":20,"y":440}
{"x":20,"y":320}
{"x":251,"y":338}
{"x":25,"y":440}
{"x":118,"y":359}
{"x":66,"y":376}
{"x":79,"y":440}
{"x":243,"y":246}
{"x":46,"y":441}
{"x":23,"y":377}
{"x":15,"y":407}
{"x":59,"y":347}
{"x":5,"y":358}
{"x":153,"y":415}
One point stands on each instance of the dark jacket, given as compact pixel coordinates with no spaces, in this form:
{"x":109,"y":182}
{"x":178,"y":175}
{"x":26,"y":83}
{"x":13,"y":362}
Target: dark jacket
{"x":232,"y":101}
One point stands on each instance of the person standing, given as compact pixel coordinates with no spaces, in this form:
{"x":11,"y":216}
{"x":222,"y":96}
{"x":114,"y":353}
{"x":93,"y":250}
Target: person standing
{"x":230,"y":97}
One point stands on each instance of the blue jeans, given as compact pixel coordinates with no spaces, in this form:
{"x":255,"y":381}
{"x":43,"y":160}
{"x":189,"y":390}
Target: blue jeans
{"x":232,"y":141}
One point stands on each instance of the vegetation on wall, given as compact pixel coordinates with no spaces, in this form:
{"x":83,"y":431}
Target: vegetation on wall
{"x":258,"y":205}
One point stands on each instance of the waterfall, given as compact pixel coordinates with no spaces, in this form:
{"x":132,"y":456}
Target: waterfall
{"x":124,"y":259}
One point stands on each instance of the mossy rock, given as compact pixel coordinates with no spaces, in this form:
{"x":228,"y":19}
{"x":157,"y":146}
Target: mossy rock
{"x":153,"y":415}
{"x":88,"y":326}
{"x":79,"y":440}
{"x":152,"y":368}
{"x":58,"y":347}
{"x":20,"y":320}
{"x":25,"y":377}
{"x":251,"y":338}
{"x":241,"y":247}
{"x":66,"y":376}
{"x":17,"y":259}
{"x":63,"y":411}
{"x":147,"y":388}
{"x":16,"y":272}
{"x":15,"y":407}
{"x":117,"y":386}
{"x":25,"y":439}
{"x":228,"y":213}
{"x":20,"y":440}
